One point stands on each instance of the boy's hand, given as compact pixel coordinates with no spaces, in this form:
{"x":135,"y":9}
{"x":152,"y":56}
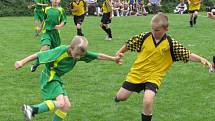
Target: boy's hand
{"x":57,"y":27}
{"x":118,"y":58}
{"x":206,"y":62}
{"x":18,"y":64}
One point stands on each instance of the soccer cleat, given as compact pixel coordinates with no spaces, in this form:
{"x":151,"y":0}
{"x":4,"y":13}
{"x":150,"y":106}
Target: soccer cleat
{"x":108,"y":38}
{"x":28,"y":112}
{"x":34,"y":67}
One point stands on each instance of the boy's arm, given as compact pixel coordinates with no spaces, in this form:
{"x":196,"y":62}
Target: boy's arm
{"x":122,"y":50}
{"x":20,"y":63}
{"x":197,"y":58}
{"x":117,"y":58}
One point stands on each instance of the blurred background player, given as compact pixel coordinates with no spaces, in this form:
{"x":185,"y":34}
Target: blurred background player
{"x":79,"y":9}
{"x":39,"y":14}
{"x":58,"y":61}
{"x":181,"y":8}
{"x":106,"y":18}
{"x":125,"y":8}
{"x":194,"y":7}
{"x":154,"y":5}
{"x":55,"y":18}
{"x":156,"y":53}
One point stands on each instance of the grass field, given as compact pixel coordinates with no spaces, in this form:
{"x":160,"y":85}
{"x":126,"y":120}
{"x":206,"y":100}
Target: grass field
{"x":187,"y":92}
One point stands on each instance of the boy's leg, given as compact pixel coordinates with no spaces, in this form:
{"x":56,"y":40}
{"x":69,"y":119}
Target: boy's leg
{"x":148,"y":103}
{"x":191,"y":19}
{"x":149,"y":93}
{"x":60,"y":114}
{"x":195,"y":17}
{"x":122,"y":94}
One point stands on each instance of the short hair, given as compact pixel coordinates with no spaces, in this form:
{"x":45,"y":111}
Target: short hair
{"x":161,"y":20}
{"x":79,"y":42}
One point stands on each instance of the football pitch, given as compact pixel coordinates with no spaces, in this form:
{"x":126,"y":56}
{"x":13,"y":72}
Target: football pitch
{"x":187,"y":92}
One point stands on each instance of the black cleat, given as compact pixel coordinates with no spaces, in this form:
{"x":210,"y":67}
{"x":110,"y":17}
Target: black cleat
{"x":34,"y":67}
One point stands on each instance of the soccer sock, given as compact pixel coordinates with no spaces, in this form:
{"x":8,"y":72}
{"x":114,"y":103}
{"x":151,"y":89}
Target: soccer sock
{"x":194,"y":20}
{"x":116,"y":100}
{"x":104,"y":28}
{"x":79,"y":32}
{"x":44,"y":107}
{"x":109,"y":33}
{"x":59,"y":115}
{"x":191,"y":23}
{"x":146,"y":117}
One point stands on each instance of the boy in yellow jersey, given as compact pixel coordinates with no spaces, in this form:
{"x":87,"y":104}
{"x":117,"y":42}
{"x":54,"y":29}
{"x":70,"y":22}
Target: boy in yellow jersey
{"x":194,"y":7}
{"x":59,"y":61}
{"x":156,"y":52}
{"x":106,"y":18}
{"x":78,"y":9}
{"x":39,"y":14}
{"x":55,"y":18}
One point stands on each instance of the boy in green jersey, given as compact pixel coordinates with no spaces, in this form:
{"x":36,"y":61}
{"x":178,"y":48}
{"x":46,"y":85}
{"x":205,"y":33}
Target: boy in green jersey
{"x":39,"y":14}
{"x":59,"y":61}
{"x":55,"y":18}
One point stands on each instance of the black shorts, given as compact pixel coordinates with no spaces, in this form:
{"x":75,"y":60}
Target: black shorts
{"x":192,"y":11}
{"x":106,"y":18}
{"x":139,"y":87}
{"x":78,"y":19}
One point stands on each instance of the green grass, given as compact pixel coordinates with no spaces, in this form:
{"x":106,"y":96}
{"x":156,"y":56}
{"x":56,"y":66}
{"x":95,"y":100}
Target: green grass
{"x":187,"y":92}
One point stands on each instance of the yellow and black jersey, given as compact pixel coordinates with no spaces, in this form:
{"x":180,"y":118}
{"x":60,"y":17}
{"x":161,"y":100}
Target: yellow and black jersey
{"x":107,"y":6}
{"x":80,"y":5}
{"x":194,"y":5}
{"x":153,"y":58}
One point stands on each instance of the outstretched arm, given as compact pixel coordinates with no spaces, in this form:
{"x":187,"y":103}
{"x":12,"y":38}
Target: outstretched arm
{"x":102,"y":56}
{"x":122,"y":50}
{"x":20,"y":63}
{"x":197,"y":58}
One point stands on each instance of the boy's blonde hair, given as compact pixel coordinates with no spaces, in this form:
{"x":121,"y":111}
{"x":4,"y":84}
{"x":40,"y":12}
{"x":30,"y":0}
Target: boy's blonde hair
{"x":79,"y":43}
{"x":160,"y":20}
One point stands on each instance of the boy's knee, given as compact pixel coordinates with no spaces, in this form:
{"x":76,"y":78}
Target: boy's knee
{"x":66,"y":107}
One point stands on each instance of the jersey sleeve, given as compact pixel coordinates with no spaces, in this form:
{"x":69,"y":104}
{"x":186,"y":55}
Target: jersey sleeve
{"x":89,"y":56}
{"x":71,"y":5}
{"x":63,"y":17}
{"x":135,"y":43}
{"x":50,"y":55}
{"x":180,"y":53}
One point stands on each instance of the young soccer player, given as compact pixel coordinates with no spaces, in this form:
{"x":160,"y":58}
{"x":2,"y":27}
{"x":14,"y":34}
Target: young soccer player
{"x":156,"y":52}
{"x":55,"y":18}
{"x":38,"y":14}
{"x":194,"y":7}
{"x":78,"y":9}
{"x":58,"y":62}
{"x":106,"y":18}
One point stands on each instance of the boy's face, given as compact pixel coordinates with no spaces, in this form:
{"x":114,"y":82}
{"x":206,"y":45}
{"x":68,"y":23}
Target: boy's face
{"x":158,"y":31}
{"x":55,"y":2}
{"x":77,"y":52}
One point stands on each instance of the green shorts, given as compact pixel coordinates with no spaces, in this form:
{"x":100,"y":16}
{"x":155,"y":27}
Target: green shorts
{"x":50,"y":38}
{"x":53,"y":89}
{"x":39,"y":15}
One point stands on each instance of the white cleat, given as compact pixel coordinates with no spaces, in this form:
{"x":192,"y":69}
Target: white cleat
{"x":27,"y":110}
{"x":108,"y":38}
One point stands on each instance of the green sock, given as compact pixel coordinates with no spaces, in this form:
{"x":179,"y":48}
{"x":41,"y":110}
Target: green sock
{"x":57,"y":118}
{"x":59,"y":115}
{"x":44,"y":106}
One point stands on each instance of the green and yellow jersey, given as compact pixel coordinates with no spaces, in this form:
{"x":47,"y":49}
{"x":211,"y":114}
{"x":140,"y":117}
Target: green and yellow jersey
{"x":80,"y":5}
{"x":107,"y":6}
{"x":58,"y":62}
{"x":194,"y":5}
{"x":153,"y":58}
{"x":54,"y":16}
